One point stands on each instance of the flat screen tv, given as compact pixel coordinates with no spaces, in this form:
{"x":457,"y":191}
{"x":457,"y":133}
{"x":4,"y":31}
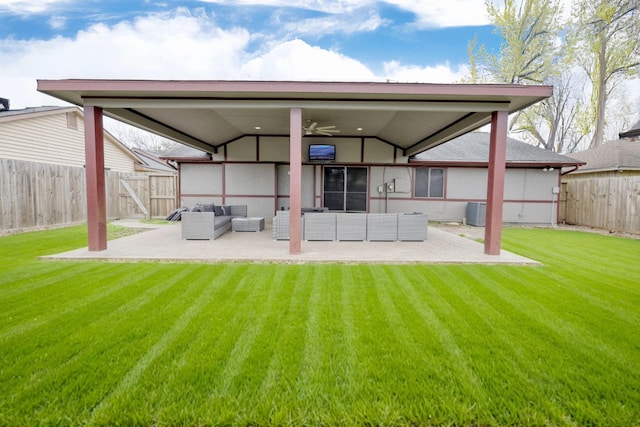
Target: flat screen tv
{"x":322,"y":153}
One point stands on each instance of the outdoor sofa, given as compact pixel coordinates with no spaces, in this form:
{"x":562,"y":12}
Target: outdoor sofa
{"x":411,"y":226}
{"x":206,"y":222}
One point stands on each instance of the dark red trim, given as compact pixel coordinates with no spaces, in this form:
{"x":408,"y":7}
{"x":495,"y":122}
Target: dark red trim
{"x":96,"y":190}
{"x":495,"y":182}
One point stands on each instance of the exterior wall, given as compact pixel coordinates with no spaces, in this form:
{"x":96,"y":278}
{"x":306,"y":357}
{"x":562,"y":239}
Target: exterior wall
{"x":247,"y":177}
{"x":48,"y":138}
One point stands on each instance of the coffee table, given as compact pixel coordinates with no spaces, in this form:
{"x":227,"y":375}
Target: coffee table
{"x":247,"y":224}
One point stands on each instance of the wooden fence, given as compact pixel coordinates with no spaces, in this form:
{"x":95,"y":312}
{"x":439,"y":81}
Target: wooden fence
{"x":610,"y":201}
{"x":41,"y":195}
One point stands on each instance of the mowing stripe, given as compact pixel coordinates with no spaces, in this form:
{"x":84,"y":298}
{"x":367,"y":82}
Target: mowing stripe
{"x":182,"y":364}
{"x":283,"y":358}
{"x":514,"y":360}
{"x":49,"y":316}
{"x":582,"y":339}
{"x":240,"y":352}
{"x":425,"y":309}
{"x":75,"y":355}
{"x":133,"y":375}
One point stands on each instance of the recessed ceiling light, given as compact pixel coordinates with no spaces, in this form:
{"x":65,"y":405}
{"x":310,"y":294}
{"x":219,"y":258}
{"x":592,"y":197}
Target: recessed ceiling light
{"x":359,"y":129}
{"x":257,"y":128}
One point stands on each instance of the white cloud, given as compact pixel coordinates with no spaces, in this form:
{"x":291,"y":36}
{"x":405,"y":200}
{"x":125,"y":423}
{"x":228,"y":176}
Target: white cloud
{"x":171,"y":46}
{"x":346,"y":23}
{"x":448,"y":13}
{"x":296,"y":60}
{"x":434,"y":13}
{"x":443,"y":73}
{"x":181,"y":45}
{"x":327,"y":6}
{"x":57,"y":22}
{"x":30,"y":6}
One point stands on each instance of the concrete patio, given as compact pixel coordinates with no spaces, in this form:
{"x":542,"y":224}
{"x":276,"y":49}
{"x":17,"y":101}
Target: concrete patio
{"x":164,"y":243}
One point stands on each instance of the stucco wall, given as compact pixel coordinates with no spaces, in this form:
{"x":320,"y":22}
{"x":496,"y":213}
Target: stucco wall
{"x":257,"y":174}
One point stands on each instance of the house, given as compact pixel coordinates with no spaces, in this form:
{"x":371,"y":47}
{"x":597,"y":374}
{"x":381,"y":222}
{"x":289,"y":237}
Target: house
{"x":151,"y":162}
{"x":532,"y":179}
{"x":605,"y":193}
{"x":43,"y":174}
{"x":619,"y":156}
{"x":56,"y":135}
{"x":439,"y":182}
{"x":284,"y":145}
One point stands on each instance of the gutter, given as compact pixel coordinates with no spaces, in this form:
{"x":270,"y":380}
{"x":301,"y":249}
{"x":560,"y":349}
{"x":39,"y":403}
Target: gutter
{"x":575,"y":168}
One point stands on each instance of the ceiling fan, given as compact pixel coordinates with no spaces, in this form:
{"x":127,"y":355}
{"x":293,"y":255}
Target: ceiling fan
{"x":312,"y":128}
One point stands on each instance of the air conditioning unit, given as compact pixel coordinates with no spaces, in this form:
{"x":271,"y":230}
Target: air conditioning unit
{"x":476,"y":213}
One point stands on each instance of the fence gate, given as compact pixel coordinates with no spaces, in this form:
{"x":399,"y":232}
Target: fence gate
{"x":147,"y":195}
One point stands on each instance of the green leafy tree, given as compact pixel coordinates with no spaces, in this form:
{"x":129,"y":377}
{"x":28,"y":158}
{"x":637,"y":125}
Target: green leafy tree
{"x":530,"y":53}
{"x":530,"y":29}
{"x":605,"y":38}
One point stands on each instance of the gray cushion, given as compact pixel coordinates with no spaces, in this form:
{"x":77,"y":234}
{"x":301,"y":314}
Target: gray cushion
{"x":221,"y":220}
{"x":218,"y":210}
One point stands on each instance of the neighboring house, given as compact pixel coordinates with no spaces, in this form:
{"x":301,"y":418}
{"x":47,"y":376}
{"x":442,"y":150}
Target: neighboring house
{"x":56,"y":135}
{"x":151,"y":162}
{"x":620,"y":156}
{"x":440,"y":182}
{"x":43,"y":175}
{"x":605,"y":193}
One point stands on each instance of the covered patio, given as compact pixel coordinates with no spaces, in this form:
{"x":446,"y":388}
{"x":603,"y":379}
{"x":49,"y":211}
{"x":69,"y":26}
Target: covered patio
{"x":210,"y":115}
{"x":162,"y":243}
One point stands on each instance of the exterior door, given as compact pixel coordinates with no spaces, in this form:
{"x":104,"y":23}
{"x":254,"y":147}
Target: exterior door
{"x":345,"y":188}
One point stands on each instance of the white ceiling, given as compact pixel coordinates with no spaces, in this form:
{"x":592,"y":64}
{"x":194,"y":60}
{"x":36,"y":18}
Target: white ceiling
{"x":209,"y":114}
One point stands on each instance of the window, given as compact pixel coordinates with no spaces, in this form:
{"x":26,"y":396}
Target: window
{"x":429,"y":182}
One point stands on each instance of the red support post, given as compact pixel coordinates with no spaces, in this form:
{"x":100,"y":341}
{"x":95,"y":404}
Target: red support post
{"x":295,"y":180}
{"x":495,"y":183}
{"x":96,"y":194}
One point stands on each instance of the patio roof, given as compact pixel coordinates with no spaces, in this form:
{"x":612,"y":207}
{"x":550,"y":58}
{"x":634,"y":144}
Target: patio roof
{"x":209,"y":114}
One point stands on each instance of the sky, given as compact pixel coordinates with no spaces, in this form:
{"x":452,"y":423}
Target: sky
{"x":322,"y":40}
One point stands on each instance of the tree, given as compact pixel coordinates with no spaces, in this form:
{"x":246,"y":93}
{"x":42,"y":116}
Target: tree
{"x":605,"y":40}
{"x":137,"y":138}
{"x":530,"y":29}
{"x":552,"y":123}
{"x":530,"y":53}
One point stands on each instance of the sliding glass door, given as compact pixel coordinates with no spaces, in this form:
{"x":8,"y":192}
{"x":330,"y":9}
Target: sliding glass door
{"x":345,"y":188}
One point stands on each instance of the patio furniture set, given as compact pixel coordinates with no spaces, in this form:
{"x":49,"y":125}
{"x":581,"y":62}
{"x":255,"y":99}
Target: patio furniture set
{"x":355,"y":226}
{"x":206,"y":222}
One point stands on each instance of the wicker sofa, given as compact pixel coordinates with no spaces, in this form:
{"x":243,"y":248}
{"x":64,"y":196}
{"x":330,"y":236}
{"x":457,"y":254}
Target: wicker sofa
{"x":355,"y":226}
{"x":204,"y":224}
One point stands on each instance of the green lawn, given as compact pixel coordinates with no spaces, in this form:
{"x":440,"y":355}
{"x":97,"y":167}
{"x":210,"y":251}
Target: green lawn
{"x":95,"y":343}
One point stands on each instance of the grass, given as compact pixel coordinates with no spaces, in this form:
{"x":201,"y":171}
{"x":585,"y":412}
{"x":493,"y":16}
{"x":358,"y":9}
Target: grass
{"x":93,"y":343}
